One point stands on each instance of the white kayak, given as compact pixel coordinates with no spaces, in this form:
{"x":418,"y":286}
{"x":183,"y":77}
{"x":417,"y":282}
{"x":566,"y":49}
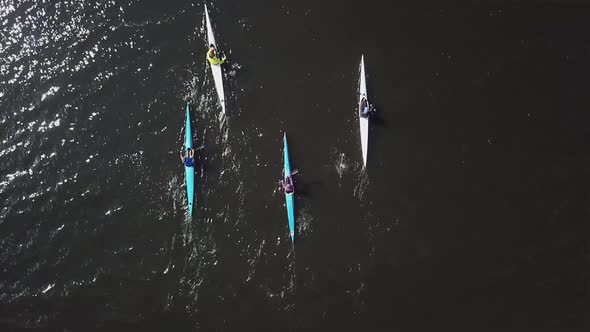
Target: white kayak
{"x":215,"y":69}
{"x":363,"y":121}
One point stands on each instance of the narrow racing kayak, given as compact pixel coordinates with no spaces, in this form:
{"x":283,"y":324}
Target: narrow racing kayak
{"x":189,"y":171}
{"x":215,"y":69}
{"x":363,"y":120}
{"x":289,"y":196}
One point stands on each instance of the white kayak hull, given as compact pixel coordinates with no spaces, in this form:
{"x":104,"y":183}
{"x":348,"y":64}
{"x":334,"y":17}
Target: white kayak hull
{"x":363,"y":121}
{"x":215,"y":69}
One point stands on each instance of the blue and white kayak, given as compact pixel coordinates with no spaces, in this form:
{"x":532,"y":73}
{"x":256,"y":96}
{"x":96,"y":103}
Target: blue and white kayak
{"x":189,"y":171}
{"x":289,"y":197}
{"x":215,"y":69}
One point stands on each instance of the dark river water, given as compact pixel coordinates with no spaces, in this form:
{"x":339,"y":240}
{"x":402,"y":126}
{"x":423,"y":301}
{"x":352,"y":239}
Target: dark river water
{"x":472,"y":215}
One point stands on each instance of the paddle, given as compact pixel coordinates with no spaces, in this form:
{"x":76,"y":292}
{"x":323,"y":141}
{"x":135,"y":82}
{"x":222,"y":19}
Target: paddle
{"x":295,"y":171}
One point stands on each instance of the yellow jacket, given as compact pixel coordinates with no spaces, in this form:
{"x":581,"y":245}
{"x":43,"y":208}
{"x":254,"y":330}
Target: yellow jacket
{"x":215,"y":60}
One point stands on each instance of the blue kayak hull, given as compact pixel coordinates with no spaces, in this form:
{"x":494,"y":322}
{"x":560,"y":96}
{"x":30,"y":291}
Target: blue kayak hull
{"x":290,"y":201}
{"x":189,"y":172}
{"x":290,"y":197}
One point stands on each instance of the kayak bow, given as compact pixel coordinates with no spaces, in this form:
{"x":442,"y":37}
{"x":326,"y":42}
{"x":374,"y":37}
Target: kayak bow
{"x":363,"y":121}
{"x":289,"y":197}
{"x":189,"y":171}
{"x":215,"y":69}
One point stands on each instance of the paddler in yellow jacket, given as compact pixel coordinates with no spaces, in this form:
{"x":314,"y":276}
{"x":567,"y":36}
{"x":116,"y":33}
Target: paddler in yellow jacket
{"x":213,"y":57}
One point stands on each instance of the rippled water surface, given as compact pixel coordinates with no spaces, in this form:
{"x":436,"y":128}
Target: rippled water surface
{"x":472,"y":214}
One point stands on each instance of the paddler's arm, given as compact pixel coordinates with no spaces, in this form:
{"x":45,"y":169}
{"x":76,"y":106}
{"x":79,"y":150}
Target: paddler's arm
{"x":216,"y":61}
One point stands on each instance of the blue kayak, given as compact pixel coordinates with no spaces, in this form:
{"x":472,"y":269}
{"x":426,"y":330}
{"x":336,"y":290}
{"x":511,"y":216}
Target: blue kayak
{"x":189,"y":171}
{"x":289,"y":197}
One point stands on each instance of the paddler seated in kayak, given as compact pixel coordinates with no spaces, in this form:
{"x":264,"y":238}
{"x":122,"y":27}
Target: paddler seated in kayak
{"x":288,"y":185}
{"x":213,"y":57}
{"x":364,"y":108}
{"x":189,"y":159}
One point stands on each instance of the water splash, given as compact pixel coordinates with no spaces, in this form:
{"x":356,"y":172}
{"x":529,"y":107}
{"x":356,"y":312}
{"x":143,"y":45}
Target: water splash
{"x":304,"y":222}
{"x":341,"y":164}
